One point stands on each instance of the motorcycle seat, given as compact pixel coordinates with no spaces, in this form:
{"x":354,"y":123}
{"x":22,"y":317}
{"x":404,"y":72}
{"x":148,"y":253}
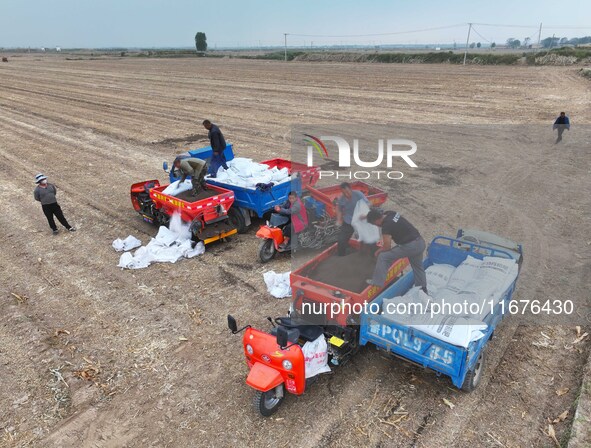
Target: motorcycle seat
{"x":307,"y":332}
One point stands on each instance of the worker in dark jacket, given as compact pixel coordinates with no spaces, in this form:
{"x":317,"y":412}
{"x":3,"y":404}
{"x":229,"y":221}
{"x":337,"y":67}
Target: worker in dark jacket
{"x":218,"y":145}
{"x":561,"y":123}
{"x":409,"y":243}
{"x":46,"y":194}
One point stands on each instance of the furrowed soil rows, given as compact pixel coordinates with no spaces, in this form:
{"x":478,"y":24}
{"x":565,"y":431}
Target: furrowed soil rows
{"x":94,"y":356}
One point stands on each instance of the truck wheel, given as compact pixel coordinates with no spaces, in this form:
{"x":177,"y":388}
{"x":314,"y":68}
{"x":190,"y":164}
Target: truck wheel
{"x":474,"y":375}
{"x":267,"y":250}
{"x":237,"y":219}
{"x":268,"y":402}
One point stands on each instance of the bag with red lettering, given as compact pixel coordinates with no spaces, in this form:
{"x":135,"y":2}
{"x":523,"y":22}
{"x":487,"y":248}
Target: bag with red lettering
{"x":316,"y":356}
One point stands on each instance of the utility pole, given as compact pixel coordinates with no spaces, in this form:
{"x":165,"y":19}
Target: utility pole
{"x":552,"y":41}
{"x":539,"y":37}
{"x":285,"y":40}
{"x":467,"y":41}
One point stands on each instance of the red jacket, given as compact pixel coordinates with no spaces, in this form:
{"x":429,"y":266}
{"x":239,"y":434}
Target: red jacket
{"x":297,"y":211}
{"x":299,"y":216}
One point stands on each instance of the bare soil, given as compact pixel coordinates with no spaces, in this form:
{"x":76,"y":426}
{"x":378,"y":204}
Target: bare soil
{"x":348,"y":272}
{"x":93,"y":356}
{"x":188,"y":196}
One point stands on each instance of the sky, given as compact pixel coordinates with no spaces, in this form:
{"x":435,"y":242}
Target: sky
{"x":235,"y":23}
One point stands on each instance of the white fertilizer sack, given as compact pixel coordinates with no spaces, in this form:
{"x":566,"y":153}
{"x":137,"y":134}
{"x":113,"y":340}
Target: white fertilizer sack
{"x":367,"y":233}
{"x":316,"y":357}
{"x":438,"y":276}
{"x":456,"y":330}
{"x":245,"y":173}
{"x":177,"y":187}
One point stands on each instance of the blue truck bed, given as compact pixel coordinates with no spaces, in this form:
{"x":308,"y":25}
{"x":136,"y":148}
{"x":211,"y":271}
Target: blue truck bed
{"x":261,"y":201}
{"x":420,"y":348}
{"x":257,"y":200}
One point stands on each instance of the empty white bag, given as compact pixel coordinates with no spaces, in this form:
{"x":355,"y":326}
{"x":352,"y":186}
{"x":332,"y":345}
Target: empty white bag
{"x":278,"y":284}
{"x":131,"y":242}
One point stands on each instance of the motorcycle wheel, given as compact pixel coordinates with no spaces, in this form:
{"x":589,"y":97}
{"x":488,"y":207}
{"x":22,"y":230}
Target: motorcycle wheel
{"x":267,"y":250}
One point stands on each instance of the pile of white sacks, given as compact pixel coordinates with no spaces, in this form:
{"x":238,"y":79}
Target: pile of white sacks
{"x":479,"y":282}
{"x":168,"y":246}
{"x":245,"y":173}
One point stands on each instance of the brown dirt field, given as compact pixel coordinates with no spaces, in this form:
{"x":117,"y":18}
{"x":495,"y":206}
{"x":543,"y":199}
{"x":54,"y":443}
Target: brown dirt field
{"x":92,"y":356}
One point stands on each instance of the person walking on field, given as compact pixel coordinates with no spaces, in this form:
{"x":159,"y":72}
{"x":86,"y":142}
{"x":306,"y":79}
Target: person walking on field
{"x":409,"y":243}
{"x":561,"y":123}
{"x":46,"y":194}
{"x":218,"y":145}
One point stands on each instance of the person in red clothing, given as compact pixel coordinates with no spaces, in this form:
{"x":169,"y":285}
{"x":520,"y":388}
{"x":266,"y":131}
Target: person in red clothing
{"x":294,"y":209}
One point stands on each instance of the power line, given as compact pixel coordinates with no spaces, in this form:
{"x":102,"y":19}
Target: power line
{"x":380,"y":34}
{"x":481,"y":36}
{"x":536,"y":26}
{"x":505,"y":26}
{"x":568,"y":27}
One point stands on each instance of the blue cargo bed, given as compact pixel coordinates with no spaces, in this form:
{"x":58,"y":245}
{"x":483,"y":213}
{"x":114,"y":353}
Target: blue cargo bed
{"x":422,"y":349}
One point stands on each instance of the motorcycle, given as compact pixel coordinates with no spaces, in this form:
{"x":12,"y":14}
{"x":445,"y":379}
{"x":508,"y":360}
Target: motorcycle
{"x":321,"y":232}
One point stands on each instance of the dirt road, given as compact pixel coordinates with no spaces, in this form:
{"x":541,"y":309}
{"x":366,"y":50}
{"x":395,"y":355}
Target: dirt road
{"x":92,"y":356}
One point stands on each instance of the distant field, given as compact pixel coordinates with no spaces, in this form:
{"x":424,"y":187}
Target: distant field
{"x":475,"y":56}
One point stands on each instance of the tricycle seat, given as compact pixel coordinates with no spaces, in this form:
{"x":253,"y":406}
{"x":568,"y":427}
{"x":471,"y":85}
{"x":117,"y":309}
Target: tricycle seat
{"x":307,"y":332}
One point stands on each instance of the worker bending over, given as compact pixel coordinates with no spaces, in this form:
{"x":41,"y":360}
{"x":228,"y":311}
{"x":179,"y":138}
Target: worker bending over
{"x":194,"y":167}
{"x":409,"y":243}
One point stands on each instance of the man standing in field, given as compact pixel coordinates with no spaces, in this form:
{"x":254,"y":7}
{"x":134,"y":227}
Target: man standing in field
{"x":345,"y":209}
{"x":561,"y":123}
{"x":409,"y":243}
{"x":46,"y":194}
{"x":218,"y":145}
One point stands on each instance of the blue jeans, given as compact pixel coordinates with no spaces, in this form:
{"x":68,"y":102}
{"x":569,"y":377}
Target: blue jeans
{"x":216,"y":161}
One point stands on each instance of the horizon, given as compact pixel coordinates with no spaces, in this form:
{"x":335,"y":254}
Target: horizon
{"x":229,"y":24}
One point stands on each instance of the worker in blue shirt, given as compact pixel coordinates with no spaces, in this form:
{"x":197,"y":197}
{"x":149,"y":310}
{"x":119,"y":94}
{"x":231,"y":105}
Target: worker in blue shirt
{"x":561,"y":123}
{"x":345,"y":209}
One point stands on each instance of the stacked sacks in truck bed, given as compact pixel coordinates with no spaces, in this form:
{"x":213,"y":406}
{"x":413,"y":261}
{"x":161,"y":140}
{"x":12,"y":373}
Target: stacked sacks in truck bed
{"x":245,"y":173}
{"x":479,"y":282}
